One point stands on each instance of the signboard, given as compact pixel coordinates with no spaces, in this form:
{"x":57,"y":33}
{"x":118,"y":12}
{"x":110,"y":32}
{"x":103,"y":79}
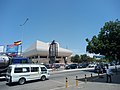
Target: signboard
{"x":1,"y":48}
{"x":19,"y":60}
{"x":12,"y":48}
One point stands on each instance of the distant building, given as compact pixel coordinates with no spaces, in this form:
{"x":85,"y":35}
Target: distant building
{"x":38,"y":52}
{"x":98,"y":57}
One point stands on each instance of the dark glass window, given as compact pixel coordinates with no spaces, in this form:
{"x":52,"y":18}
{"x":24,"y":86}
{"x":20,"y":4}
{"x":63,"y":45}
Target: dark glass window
{"x":43,"y":56}
{"x":36,"y":57}
{"x":18,"y":70}
{"x":34,"y":69}
{"x":58,"y":57}
{"x":21,"y":70}
{"x":43,"y":69}
{"x":26,"y":69}
{"x":33,"y":57}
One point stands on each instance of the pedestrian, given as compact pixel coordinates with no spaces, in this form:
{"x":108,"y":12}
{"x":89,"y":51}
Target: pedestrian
{"x":108,"y":74}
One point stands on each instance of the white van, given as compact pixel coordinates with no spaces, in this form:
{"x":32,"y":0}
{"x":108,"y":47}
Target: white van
{"x":24,"y":72}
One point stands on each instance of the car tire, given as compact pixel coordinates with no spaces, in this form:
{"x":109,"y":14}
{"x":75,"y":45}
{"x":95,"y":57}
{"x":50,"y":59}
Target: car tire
{"x":21,"y":81}
{"x":43,"y":78}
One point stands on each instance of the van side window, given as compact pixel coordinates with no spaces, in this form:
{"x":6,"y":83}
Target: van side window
{"x":26,"y":69}
{"x":21,"y":70}
{"x":43,"y":69}
{"x":18,"y":70}
{"x":34,"y":69}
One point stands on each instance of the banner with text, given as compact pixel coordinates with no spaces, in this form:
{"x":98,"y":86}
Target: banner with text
{"x":12,"y":48}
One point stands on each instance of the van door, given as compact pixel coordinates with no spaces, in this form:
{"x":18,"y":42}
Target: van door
{"x":20,"y":72}
{"x":43,"y":71}
{"x":35,"y":74}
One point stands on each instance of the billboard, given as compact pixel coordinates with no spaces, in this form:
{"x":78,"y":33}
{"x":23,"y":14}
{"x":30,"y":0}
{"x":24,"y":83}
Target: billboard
{"x":12,"y":48}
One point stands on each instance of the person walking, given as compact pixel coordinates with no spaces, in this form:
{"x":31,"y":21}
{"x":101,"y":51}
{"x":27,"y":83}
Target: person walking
{"x":108,"y":74}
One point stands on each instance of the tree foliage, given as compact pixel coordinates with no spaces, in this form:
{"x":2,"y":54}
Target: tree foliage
{"x":81,"y":58}
{"x":107,"y":42}
{"x":75,"y":59}
{"x":85,"y":58}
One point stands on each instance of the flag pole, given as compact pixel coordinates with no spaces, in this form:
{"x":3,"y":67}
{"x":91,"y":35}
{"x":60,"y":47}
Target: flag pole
{"x":21,"y":48}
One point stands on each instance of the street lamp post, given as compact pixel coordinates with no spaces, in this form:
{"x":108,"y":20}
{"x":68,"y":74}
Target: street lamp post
{"x":21,"y":25}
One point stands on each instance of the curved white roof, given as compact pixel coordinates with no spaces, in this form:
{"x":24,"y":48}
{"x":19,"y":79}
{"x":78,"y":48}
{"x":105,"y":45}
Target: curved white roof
{"x":42,"y":49}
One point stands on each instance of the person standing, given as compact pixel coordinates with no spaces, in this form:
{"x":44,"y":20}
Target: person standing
{"x":108,"y":74}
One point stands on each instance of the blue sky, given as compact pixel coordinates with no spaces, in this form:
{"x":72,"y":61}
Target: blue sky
{"x":68,"y":22}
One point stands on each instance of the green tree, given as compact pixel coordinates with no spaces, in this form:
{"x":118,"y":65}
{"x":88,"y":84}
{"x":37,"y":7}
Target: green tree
{"x":81,"y":58}
{"x":75,"y":59}
{"x":85,"y":58}
{"x":107,"y":42}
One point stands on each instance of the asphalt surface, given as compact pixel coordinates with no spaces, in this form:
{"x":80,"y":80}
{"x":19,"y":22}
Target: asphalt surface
{"x":57,"y":81}
{"x":96,"y":82}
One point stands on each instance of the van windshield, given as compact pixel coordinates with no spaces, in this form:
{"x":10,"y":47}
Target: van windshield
{"x":9,"y":70}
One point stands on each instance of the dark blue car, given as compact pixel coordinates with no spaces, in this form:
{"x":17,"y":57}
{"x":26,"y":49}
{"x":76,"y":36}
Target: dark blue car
{"x":71,"y":66}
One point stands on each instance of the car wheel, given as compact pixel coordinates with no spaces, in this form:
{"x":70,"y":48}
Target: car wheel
{"x":22,"y":81}
{"x":43,"y":78}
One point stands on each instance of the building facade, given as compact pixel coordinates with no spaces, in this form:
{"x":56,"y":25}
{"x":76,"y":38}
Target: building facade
{"x":38,"y":52}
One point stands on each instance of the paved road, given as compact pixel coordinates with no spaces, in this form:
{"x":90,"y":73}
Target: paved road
{"x":56,"y":81}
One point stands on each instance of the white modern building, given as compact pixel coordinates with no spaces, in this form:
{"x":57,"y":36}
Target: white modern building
{"x":38,"y":52}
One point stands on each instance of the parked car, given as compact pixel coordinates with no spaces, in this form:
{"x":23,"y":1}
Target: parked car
{"x":112,"y":64}
{"x":91,"y":65}
{"x":57,"y":66}
{"x":47,"y":66}
{"x":67,"y":66}
{"x":73,"y":66}
{"x":82,"y":65}
{"x":100,"y":68}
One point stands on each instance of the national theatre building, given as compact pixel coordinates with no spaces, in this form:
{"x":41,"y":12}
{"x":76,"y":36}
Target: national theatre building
{"x":38,"y":52}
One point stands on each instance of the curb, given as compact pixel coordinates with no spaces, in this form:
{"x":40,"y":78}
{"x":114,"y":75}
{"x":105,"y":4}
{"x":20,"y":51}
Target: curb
{"x":70,"y":70}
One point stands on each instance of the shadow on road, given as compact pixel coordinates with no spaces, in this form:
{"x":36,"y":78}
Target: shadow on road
{"x":28,"y":82}
{"x":102,"y":78}
{"x":92,"y":70}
